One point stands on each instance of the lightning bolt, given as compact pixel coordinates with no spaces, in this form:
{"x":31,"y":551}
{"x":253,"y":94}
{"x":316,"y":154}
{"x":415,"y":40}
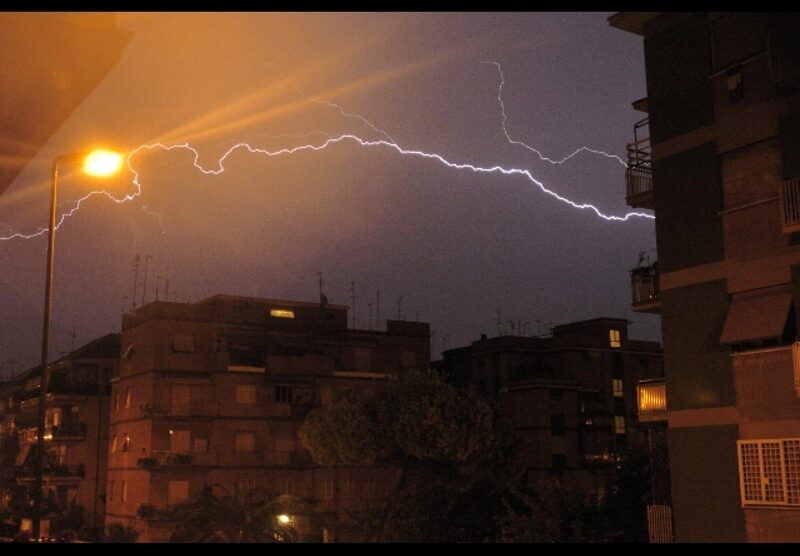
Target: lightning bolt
{"x":386,"y":142}
{"x":392,"y":146}
{"x":538,"y":153}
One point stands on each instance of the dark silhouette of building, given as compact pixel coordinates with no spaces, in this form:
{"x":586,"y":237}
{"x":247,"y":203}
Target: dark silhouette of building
{"x":214,"y":393}
{"x":76,"y":431}
{"x":721,"y":170}
{"x":570,"y":397}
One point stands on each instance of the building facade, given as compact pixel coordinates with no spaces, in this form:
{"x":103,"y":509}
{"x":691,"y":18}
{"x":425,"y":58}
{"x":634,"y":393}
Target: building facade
{"x":214,"y":393}
{"x":76,"y":425}
{"x":720,"y":167}
{"x":570,"y":397}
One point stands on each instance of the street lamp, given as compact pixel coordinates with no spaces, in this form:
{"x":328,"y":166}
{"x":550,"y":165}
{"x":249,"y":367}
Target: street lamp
{"x":98,"y":163}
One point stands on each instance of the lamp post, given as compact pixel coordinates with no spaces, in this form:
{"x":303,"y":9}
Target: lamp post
{"x":99,"y":163}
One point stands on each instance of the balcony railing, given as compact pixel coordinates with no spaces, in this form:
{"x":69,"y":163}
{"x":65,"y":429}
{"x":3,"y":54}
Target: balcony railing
{"x":790,"y":205}
{"x":639,"y":175}
{"x":54,"y":471}
{"x":65,"y":431}
{"x":645,"y":288}
{"x":651,"y":397}
{"x":159,"y":458}
{"x":195,"y":408}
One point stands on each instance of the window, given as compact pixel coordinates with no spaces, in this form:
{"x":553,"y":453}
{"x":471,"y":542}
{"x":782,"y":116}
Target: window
{"x":114,"y":445}
{"x":617,"y":386}
{"x":177,"y":492}
{"x":619,"y":424}
{"x":126,"y":444}
{"x":769,"y":472}
{"x":183,"y":343}
{"x":613,"y":338}
{"x":124,"y":496}
{"x":286,"y":486}
{"x":127,"y":397}
{"x":245,"y":441}
{"x":281,"y":313}
{"x":179,"y":441}
{"x":327,"y":488}
{"x":181,"y":400}
{"x":246,"y":393}
{"x":111,"y":486}
{"x":116,"y":399}
{"x":283,"y":394}
{"x":200,"y":445}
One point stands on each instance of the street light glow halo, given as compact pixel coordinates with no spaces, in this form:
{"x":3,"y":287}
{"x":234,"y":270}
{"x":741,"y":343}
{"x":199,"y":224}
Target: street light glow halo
{"x":102,"y":163}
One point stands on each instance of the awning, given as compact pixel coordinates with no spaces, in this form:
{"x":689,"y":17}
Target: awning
{"x":757,"y":315}
{"x":24,"y":450}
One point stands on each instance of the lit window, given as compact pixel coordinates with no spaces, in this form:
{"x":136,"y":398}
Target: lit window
{"x":126,"y":444}
{"x":114,"y":445}
{"x":246,"y":393}
{"x":327,"y":488}
{"x":245,"y":441}
{"x":769,"y":472}
{"x":618,"y":388}
{"x":127,"y":397}
{"x":613,"y":338}
{"x":124,"y":496}
{"x":177,"y":492}
{"x":281,"y":313}
{"x":283,"y":394}
{"x":619,"y":424}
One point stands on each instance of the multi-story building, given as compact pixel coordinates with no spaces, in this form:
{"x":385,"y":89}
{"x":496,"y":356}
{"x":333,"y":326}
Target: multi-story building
{"x":214,"y":393}
{"x":571,"y":397}
{"x":75,"y":433}
{"x":721,"y":171}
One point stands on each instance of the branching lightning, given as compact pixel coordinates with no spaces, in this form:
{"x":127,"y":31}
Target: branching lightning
{"x":525,"y":145}
{"x":386,"y":142}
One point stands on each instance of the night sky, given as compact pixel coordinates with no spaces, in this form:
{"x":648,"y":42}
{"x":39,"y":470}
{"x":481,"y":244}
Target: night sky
{"x":456,"y":245}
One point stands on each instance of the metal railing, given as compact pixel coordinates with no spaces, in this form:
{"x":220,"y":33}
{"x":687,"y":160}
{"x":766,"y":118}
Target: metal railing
{"x":644,"y":284}
{"x":790,"y":205}
{"x":638,"y":175}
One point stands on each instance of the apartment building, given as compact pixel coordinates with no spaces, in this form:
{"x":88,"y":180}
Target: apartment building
{"x":571,"y":396}
{"x":75,"y":434}
{"x":717,"y":158}
{"x":214,"y":393}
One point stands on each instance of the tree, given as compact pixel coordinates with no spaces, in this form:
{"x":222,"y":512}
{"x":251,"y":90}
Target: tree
{"x":241,"y":518}
{"x":453,"y":461}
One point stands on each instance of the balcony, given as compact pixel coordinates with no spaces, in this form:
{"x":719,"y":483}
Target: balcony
{"x":790,"y":205}
{"x":195,"y":409}
{"x":54,"y":474}
{"x":651,"y":399}
{"x":645,"y":289}
{"x":638,"y":174}
{"x":162,"y":459}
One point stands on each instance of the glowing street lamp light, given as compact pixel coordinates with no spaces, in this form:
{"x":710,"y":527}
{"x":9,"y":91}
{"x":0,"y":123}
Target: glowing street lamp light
{"x":284,"y":519}
{"x":98,"y":163}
